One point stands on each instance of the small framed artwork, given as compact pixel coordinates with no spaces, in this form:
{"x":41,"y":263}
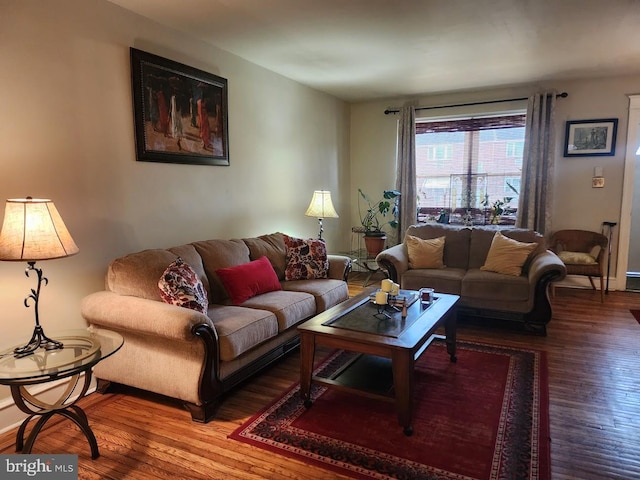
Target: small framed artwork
{"x":180,"y":112}
{"x":590,"y":138}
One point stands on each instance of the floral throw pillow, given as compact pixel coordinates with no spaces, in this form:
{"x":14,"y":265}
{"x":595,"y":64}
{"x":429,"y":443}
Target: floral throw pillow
{"x":306,"y":259}
{"x":179,"y":285}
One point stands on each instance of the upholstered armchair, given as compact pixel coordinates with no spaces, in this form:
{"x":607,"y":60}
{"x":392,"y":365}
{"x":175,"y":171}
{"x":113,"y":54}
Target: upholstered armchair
{"x":582,"y":252}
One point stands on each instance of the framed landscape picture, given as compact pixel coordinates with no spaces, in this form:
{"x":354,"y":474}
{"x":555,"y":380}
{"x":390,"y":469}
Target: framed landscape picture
{"x":180,"y":112}
{"x":589,"y":138}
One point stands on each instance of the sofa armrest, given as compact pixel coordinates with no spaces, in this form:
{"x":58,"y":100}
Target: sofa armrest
{"x":546,"y":265}
{"x":395,"y":261}
{"x":339,"y":267}
{"x":127,"y":313}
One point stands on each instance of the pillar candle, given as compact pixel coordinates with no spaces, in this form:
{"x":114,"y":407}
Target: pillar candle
{"x":381,"y":298}
{"x":386,"y":285}
{"x":395,"y":289}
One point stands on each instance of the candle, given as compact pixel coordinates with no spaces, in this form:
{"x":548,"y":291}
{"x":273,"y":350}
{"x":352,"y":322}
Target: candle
{"x":386,"y":285}
{"x":381,"y":298}
{"x":395,"y":290}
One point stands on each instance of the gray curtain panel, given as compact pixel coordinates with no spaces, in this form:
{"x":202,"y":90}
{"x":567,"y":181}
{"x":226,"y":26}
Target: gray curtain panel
{"x":534,"y":207}
{"x":406,"y":169}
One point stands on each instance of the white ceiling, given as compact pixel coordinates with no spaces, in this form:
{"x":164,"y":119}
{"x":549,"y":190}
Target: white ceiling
{"x":366,"y":49}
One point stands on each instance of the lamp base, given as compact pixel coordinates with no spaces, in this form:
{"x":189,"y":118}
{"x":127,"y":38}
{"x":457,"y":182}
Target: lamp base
{"x":38,"y":339}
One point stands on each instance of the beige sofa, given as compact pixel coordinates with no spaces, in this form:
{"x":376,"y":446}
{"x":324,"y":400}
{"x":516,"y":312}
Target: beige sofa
{"x":483,"y":293}
{"x":195,"y":357}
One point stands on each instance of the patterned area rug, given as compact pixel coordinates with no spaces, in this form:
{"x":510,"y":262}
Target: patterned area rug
{"x":484,"y":417}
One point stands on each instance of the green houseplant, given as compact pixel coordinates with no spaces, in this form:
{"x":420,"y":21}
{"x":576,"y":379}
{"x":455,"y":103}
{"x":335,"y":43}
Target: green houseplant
{"x":373,"y":216}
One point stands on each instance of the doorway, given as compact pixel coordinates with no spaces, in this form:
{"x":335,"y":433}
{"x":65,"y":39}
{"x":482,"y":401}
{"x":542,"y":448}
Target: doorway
{"x":628,"y":251}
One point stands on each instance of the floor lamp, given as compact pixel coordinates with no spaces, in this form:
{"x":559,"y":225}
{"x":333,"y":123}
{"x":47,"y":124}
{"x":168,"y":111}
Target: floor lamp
{"x":33,"y":230}
{"x":321,"y":207}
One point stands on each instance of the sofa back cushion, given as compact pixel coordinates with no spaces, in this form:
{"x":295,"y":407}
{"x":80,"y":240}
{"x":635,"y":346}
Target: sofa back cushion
{"x":190,"y":256}
{"x":482,"y":236}
{"x":137,"y":274}
{"x":271,"y":246}
{"x":218,"y":254}
{"x":456,"y":242}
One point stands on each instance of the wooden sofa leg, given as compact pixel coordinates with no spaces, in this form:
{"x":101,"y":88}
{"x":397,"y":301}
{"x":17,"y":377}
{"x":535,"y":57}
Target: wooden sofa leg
{"x":202,"y":413}
{"x":102,"y":386}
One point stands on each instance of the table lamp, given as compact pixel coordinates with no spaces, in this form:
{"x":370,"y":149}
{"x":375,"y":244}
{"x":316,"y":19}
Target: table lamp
{"x":33,"y":230}
{"x":321,"y":207}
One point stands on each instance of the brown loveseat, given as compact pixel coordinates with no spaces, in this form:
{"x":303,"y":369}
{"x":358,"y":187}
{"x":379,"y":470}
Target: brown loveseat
{"x":196,"y":357}
{"x":522,"y":297}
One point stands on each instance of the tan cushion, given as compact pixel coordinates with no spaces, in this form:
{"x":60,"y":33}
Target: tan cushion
{"x":241,"y":329}
{"x":270,"y":246}
{"x":290,"y":308}
{"x":137,"y":274}
{"x":220,"y":254}
{"x":577,"y":258}
{"x":425,"y":253}
{"x":327,"y":292}
{"x":482,"y":236}
{"x":456,"y":244}
{"x":507,"y":255}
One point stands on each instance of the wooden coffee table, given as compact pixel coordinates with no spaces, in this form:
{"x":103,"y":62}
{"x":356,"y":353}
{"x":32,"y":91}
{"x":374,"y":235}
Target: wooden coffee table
{"x":355,"y":325}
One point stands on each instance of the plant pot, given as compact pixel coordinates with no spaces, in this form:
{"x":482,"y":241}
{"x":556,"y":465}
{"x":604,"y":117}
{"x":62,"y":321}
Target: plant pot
{"x":374,"y":244}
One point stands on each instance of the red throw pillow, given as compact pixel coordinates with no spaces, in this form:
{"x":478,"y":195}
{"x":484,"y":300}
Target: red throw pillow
{"x":306,"y":259}
{"x":247,"y":280}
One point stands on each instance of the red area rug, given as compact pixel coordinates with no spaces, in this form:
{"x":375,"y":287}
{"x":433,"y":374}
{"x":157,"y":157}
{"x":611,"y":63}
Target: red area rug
{"x":636,"y":314}
{"x":484,"y":417}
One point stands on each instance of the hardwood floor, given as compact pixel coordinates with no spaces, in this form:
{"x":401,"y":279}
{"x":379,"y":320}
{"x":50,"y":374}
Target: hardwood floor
{"x":594,"y":390}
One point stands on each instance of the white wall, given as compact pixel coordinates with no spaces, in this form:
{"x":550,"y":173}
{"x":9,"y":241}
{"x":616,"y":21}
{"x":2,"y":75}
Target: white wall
{"x":67,"y":134}
{"x":576,"y":203}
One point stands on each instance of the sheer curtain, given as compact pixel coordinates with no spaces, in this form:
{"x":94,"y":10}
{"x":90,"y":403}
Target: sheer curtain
{"x":534,"y":207}
{"x":406,"y":169}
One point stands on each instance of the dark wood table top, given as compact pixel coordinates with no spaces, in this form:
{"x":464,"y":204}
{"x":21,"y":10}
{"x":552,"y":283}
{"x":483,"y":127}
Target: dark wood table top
{"x":355,"y":319}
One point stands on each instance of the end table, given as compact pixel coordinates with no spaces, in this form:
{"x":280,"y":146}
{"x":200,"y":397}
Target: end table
{"x":81,"y":350}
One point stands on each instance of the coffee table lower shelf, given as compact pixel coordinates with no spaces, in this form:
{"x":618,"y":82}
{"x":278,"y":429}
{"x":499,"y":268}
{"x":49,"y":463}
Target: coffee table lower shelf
{"x":368,"y":375}
{"x":387,"y":356}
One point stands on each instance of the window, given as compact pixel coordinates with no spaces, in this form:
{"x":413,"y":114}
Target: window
{"x":465,"y":167}
{"x":515,"y":148}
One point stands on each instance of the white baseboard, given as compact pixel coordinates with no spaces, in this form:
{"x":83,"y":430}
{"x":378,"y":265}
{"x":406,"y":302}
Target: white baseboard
{"x":579,"y":281}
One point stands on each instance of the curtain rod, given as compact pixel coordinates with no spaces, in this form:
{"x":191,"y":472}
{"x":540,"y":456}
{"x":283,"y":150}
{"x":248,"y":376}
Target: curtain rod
{"x":396,"y":110}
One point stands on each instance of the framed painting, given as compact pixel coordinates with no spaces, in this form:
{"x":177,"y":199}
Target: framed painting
{"x":590,"y":138}
{"x":180,"y":112}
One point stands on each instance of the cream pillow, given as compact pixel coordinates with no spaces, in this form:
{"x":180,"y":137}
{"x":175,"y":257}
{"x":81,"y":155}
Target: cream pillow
{"x":577,"y":258}
{"x":425,"y":253}
{"x":507,"y":255}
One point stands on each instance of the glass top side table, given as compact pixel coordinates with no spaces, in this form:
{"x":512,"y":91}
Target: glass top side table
{"x":81,"y":350}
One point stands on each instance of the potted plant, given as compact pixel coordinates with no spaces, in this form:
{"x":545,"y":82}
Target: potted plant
{"x":374,"y":216}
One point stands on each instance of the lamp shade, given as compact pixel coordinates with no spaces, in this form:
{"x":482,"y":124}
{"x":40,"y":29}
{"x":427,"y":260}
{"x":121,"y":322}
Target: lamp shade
{"x":33,"y":230}
{"x":321,"y":205}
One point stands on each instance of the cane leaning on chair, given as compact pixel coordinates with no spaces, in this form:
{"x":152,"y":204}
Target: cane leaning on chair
{"x":583,"y":252}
